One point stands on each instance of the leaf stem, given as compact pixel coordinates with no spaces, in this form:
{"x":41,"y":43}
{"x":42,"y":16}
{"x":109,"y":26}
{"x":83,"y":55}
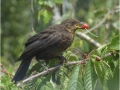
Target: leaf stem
{"x":91,"y":33}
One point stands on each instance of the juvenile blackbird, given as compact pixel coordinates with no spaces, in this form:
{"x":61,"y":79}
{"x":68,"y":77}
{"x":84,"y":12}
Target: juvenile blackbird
{"x":47,"y":44}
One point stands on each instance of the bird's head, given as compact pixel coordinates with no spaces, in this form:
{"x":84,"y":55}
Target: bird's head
{"x":71,"y":25}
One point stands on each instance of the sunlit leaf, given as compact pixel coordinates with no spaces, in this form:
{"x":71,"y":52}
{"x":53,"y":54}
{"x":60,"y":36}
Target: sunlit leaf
{"x":115,"y":43}
{"x":47,"y":16}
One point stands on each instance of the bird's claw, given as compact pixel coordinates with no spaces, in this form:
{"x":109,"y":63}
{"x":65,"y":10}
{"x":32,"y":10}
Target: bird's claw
{"x":62,"y":59}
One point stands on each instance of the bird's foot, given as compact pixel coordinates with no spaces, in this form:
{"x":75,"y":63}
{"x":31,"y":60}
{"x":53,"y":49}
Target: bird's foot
{"x":62,"y":59}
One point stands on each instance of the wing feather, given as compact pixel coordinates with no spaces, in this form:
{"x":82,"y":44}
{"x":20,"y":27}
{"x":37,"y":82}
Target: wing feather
{"x":40,"y":43}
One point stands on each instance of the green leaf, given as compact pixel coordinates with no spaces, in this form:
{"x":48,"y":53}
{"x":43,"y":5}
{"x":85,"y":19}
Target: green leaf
{"x":7,"y":84}
{"x":45,"y":84}
{"x":49,"y":3}
{"x":47,"y":16}
{"x":100,"y":69}
{"x":105,"y":79}
{"x":58,"y":1}
{"x":113,"y":82}
{"x":36,"y":68}
{"x":41,"y":2}
{"x":114,"y":44}
{"x":33,"y":33}
{"x":89,"y":76}
{"x":31,"y":85}
{"x":116,"y":24}
{"x":102,"y":51}
{"x":63,"y":78}
{"x":73,"y":57}
{"x":103,"y":72}
{"x":55,"y":77}
{"x":75,"y":83}
{"x":39,"y":14}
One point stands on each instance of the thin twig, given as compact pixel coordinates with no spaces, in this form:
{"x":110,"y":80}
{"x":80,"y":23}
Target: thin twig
{"x":7,"y":73}
{"x":101,"y":23}
{"x":4,"y":70}
{"x":108,"y":54}
{"x":103,"y":20}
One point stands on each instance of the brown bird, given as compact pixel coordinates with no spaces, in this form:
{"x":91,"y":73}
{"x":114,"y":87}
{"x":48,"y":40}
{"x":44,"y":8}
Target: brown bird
{"x":47,"y":44}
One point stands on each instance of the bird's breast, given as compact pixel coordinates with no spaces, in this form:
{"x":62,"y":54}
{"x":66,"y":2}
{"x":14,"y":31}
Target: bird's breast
{"x":56,"y":49}
{"x":65,"y":42}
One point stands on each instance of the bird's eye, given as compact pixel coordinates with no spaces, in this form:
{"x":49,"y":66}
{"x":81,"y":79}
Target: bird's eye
{"x":72,"y":23}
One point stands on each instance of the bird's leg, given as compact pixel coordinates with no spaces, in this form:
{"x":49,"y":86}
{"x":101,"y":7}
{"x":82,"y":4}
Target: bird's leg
{"x":62,"y":59}
{"x":43,"y":65}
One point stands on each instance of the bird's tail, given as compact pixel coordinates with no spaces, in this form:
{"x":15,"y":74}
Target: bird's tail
{"x":22,"y":70}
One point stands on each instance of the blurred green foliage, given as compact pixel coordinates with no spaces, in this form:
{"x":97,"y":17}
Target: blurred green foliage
{"x":16,"y":26}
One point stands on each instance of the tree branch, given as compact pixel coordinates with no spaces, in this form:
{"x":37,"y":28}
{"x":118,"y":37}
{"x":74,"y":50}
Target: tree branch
{"x":87,"y":38}
{"x":49,"y":71}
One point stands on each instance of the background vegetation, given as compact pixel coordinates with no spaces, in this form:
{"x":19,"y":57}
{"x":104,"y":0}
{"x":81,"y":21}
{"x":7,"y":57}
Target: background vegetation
{"x":21,"y":19}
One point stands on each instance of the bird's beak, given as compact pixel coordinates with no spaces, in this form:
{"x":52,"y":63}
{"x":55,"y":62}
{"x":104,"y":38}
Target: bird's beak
{"x":79,"y":25}
{"x":82,"y":25}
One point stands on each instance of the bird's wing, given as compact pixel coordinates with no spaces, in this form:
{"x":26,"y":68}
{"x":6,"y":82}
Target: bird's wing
{"x":31,"y":40}
{"x":40,"y":42}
